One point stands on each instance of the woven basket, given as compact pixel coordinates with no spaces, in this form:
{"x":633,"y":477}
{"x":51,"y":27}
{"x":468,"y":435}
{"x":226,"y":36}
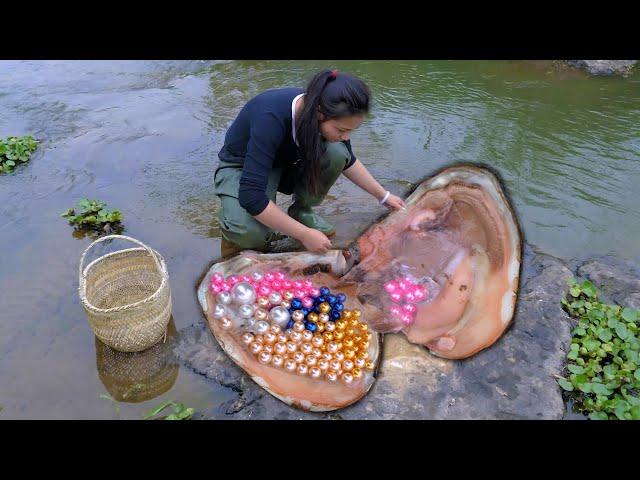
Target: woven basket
{"x":126,"y":296}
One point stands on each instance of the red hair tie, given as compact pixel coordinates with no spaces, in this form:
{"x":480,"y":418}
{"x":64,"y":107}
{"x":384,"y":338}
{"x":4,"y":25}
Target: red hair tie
{"x":333,"y":74}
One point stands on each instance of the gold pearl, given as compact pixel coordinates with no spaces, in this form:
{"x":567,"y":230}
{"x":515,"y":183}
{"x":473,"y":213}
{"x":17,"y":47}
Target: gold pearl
{"x":315,"y":372}
{"x":264,"y":357}
{"x":307,"y":336}
{"x":348,"y":343}
{"x":346,"y":314}
{"x":369,"y":365}
{"x":270,"y":337}
{"x":277,"y":361}
{"x":263,"y":302}
{"x":286,"y":304}
{"x":295,"y":336}
{"x":247,"y":338}
{"x":349,"y":353}
{"x":324,"y":307}
{"x":356,"y":372}
{"x":298,"y":357}
{"x":339,"y":346}
{"x":323,"y":364}
{"x":331,"y":376}
{"x":356,"y":313}
{"x":320,"y":328}
{"x":338,"y":335}
{"x":363,"y":326}
{"x":341,"y":325}
{"x":290,"y":365}
{"x":335,"y":365}
{"x":363,"y":345}
{"x":364,"y":355}
{"x":280,"y":348}
{"x":327,"y":336}
{"x":316,"y":352}
{"x":310,"y":360}
{"x":291,"y":347}
{"x":288,"y":296}
{"x":347,"y":365}
{"x":338,"y":356}
{"x":350,"y":332}
{"x":330,"y":326}
{"x":323,"y":317}
{"x":359,"y":362}
{"x":312,"y":317}
{"x":353,"y":322}
{"x":357,"y":339}
{"x":347,"y":378}
{"x":256,"y":347}
{"x":306,"y":348}
{"x":302,"y":369}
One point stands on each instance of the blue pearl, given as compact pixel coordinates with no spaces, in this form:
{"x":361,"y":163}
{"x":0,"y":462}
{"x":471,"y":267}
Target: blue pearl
{"x":290,"y":324}
{"x":312,"y":327}
{"x":331,"y":299}
{"x":335,"y":316}
{"x":305,"y":311}
{"x":324,"y":291}
{"x":338,"y":307}
{"x":319,"y":300}
{"x":341,"y":297}
{"x":296,"y":304}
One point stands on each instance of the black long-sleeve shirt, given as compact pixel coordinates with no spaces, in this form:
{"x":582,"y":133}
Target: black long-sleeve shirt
{"x":260,"y":138}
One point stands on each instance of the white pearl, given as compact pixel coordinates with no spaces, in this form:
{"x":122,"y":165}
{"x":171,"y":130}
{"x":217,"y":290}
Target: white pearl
{"x":224,"y":298}
{"x":261,"y":326}
{"x":245,"y":311}
{"x":219,"y":311}
{"x":257,"y":276}
{"x":243,"y":293}
{"x":280,"y":316}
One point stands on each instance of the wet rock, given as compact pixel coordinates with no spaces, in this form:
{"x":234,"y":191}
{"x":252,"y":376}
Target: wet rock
{"x":511,"y":380}
{"x":604,"y":67}
{"x":616,"y":281}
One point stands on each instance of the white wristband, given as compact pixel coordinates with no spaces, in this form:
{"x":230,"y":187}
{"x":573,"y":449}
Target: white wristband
{"x":386,"y":196}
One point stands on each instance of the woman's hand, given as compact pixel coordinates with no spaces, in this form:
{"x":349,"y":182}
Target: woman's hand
{"x":395,"y":202}
{"x":315,"y":241}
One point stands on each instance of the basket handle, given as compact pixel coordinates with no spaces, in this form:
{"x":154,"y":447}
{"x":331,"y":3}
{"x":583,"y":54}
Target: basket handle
{"x":123,"y":237}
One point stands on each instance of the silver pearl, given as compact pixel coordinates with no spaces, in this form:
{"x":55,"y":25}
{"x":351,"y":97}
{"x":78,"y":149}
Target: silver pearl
{"x":261,"y":327}
{"x":245,"y":311}
{"x":280,"y":316}
{"x":275,"y":298}
{"x":243,"y":293}
{"x":219,"y":311}
{"x":224,"y":298}
{"x":257,"y":276}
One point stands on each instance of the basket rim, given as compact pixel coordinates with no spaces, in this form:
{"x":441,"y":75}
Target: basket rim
{"x":82,"y":287}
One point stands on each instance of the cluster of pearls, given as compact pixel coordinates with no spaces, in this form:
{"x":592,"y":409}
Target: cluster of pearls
{"x":405,"y":294}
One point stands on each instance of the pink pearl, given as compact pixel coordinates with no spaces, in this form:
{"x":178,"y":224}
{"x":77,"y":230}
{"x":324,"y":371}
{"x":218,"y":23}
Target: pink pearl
{"x":299,"y":294}
{"x":402,"y":285}
{"x":269,"y":276}
{"x":226,"y":287}
{"x":287,"y":285}
{"x":409,"y":281}
{"x":307,"y":284}
{"x":245,"y":278}
{"x":420,"y":293}
{"x":276,"y":285}
{"x":390,"y":287}
{"x":396,"y":297}
{"x":264,"y":291}
{"x":409,"y":308}
{"x":233,"y":279}
{"x":297,"y":285}
{"x":280,"y":276}
{"x":395,"y":310}
{"x":215,"y":288}
{"x":406,"y":319}
{"x":217,"y":278}
{"x":410,"y":297}
{"x":307,"y":302}
{"x":314,"y":292}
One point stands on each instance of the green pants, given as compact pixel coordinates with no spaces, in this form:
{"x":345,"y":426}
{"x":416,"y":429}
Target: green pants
{"x":239,"y":227}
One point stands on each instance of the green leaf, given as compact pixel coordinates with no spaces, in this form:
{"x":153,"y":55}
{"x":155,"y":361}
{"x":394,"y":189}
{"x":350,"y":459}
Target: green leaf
{"x":598,"y":416}
{"x":10,"y":163}
{"x":586,"y":387}
{"x":565,"y":384}
{"x":621,"y":331}
{"x":600,"y":389}
{"x":612,"y":322}
{"x":630,"y":315}
{"x":589,"y":289}
{"x":605,"y":335}
{"x":172,"y":417}
{"x":621,"y":409}
{"x":157,"y":410}
{"x":591,"y":344}
{"x":578,"y":331}
{"x":636,"y":374}
{"x":635,"y":412}
{"x":573,"y":355}
{"x":575,"y":369}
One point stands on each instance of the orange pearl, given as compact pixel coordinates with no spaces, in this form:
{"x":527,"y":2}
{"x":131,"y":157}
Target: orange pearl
{"x":306,"y":348}
{"x":338,"y":356}
{"x":356,"y":372}
{"x":350,"y":354}
{"x":280,"y":348}
{"x":317,"y":341}
{"x":330,"y":326}
{"x":347,"y":365}
{"x":323,"y":318}
{"x":302,"y":369}
{"x":282,"y":338}
{"x":338,"y":335}
{"x":332,"y":347}
{"x":247,"y":338}
{"x":298,"y":357}
{"x":364,"y":345}
{"x":298,"y":327}
{"x":350,"y":332}
{"x":327,"y":336}
{"x":256,"y":347}
{"x":348,"y":343}
{"x":347,"y":378}
{"x":369,"y":365}
{"x":291,"y":347}
{"x":267,"y":348}
{"x":331,"y":376}
{"x":310,"y":360}
{"x":335,"y":365}
{"x":364,"y":327}
{"x":295,"y":336}
{"x":290,"y":365}
{"x":315,"y":372}
{"x":339,"y":346}
{"x":340,"y":325}
{"x":277,"y":361}
{"x":323,"y":365}
{"x":275,"y":329}
{"x":327,"y":357}
{"x":357,"y":339}
{"x":360,"y":362}
{"x":307,"y":336}
{"x":353,"y":322}
{"x":270,"y":337}
{"x":316,"y":352}
{"x":264,"y":357}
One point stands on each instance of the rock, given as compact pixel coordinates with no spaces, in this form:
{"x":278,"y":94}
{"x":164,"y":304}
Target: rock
{"x":616,"y":281}
{"x":604,"y":67}
{"x":514,"y":379}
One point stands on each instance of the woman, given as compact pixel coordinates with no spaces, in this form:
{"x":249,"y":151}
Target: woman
{"x":296,"y":142}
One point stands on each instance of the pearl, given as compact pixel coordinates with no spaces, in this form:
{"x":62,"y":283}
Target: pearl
{"x":225,"y":287}
{"x":406,"y":319}
{"x":316,"y":352}
{"x":280,"y":316}
{"x":315,"y":372}
{"x":260,"y":314}
{"x":290,"y":365}
{"x":317,"y":341}
{"x":319,"y":327}
{"x":338,"y":335}
{"x":297,"y":285}
{"x":369,"y":365}
{"x":269,"y":277}
{"x":364,"y":327}
{"x":281,"y":349}
{"x":277,"y":360}
{"x":324,"y":291}
{"x":324,"y":307}
{"x":263,"y":302}
{"x":356,"y":372}
{"x":297,"y":316}
{"x":312,"y":317}
{"x":323,"y":364}
{"x":347,"y":378}
{"x":298,"y":357}
{"x":225,"y":323}
{"x":359,"y":362}
{"x":247,"y":338}
{"x":264,"y":290}
{"x":364,"y":345}
{"x":331,"y":299}
{"x":327,"y":356}
{"x":310,"y":360}
{"x":391,"y":287}
{"x":298,"y":326}
{"x":350,"y":354}
{"x":245,"y":311}
{"x":217,"y":278}
{"x":270,"y":337}
{"x":312,"y":327}
{"x":286,"y":284}
{"x":264,"y":357}
{"x":314,"y":292}
{"x":332,"y":347}
{"x":296,"y":304}
{"x":307,"y":302}
{"x":282,"y":338}
{"x":224,"y":298}
{"x":420,"y":293}
{"x":275,"y":329}
{"x":299,"y":294}
{"x":215,"y":288}
{"x":288,"y":295}
{"x":279,"y":275}
{"x":219,"y":311}
{"x":331,"y":376}
{"x":307,"y":336}
{"x":341,"y":297}
{"x":341,"y":325}
{"x":276,"y":285}
{"x":285,"y":304}
{"x":267,"y":348}
{"x":295,"y":336}
{"x":335,"y":365}
{"x":339,"y":356}
{"x":323,"y":317}
{"x":257,"y":276}
{"x":409,"y":308}
{"x":275,"y":298}
{"x":291,"y":347}
{"x":410,"y":297}
{"x":302,"y":369}
{"x":402,"y":285}
{"x":306,"y":348}
{"x":243,"y":293}
{"x":347,"y":365}
{"x":256,"y":347}
{"x":261,"y":327}
{"x":327,"y":336}
{"x":395,"y":311}
{"x":356,"y":313}
{"x":330,"y":326}
{"x":348,"y":343}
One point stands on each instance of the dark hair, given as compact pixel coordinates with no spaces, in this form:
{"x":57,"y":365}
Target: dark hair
{"x":335,"y":95}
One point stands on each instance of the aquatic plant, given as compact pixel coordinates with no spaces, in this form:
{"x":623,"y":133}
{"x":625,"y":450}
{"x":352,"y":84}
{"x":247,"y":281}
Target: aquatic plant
{"x":14,"y":150}
{"x":602,"y":363}
{"x":180,"y":412}
{"x":92,"y":214}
